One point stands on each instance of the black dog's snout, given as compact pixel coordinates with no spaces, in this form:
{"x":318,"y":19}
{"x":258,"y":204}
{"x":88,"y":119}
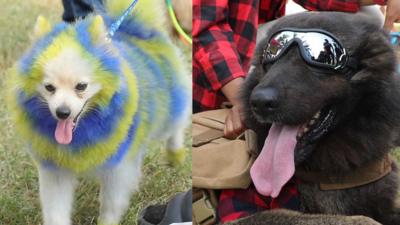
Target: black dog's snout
{"x":264,"y":99}
{"x":63,"y":112}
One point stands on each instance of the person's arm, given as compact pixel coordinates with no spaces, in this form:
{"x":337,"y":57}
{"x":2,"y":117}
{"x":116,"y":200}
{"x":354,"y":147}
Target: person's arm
{"x":213,"y":46}
{"x":215,"y":52}
{"x":392,"y":14}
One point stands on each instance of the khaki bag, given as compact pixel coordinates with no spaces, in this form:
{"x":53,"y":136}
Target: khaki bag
{"x":218,"y":162}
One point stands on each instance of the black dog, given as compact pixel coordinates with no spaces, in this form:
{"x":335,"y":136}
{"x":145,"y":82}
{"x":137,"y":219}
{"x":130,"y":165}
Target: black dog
{"x":347,"y":118}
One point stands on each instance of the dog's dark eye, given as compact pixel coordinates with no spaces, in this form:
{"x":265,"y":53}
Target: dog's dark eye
{"x":50,"y":88}
{"x":81,"y":86}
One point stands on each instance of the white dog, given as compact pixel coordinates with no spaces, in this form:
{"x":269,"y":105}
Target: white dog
{"x":90,"y":100}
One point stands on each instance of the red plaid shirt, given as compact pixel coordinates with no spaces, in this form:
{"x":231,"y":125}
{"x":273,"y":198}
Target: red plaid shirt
{"x":224,"y":34}
{"x":237,"y":203}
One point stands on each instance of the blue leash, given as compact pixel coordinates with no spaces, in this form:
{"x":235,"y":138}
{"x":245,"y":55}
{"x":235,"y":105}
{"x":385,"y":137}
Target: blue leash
{"x":114,"y":27}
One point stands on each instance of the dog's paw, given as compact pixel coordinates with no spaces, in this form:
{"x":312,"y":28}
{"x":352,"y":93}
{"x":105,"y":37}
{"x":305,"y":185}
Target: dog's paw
{"x":176,"y":157}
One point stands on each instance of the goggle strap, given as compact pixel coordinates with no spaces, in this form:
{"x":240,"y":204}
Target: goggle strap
{"x":351,"y":68}
{"x":352,"y":63}
{"x":348,"y":73}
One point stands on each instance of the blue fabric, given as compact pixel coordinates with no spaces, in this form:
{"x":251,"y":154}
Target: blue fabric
{"x":78,"y":9}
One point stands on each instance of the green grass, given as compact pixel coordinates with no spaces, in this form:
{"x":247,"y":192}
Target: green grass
{"x":19,"y":200}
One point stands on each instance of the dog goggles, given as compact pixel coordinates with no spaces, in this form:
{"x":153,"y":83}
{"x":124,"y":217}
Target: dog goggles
{"x":318,"y":48}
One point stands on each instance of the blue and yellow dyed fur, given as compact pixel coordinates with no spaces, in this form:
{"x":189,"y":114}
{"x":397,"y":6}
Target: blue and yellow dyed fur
{"x":141,"y":95}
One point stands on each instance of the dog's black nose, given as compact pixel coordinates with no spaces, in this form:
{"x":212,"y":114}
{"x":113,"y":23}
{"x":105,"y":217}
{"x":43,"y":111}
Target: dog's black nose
{"x":63,"y":112}
{"x":264,"y":99}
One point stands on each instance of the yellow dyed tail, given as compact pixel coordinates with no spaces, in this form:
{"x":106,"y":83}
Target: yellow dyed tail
{"x":150,"y":12}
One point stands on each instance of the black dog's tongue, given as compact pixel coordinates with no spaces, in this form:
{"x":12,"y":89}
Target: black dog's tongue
{"x":274,"y":166}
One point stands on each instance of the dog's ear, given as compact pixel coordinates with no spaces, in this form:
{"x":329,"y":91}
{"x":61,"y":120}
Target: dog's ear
{"x":376,"y":57}
{"x":41,"y":28}
{"x":97,"y":29}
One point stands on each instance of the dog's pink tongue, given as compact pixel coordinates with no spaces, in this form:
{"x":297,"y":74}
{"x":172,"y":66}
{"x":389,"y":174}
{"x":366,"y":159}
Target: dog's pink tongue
{"x":274,"y":166}
{"x":63,"y":133}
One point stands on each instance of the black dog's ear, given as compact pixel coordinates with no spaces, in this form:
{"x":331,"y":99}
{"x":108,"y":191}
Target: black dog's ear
{"x":376,"y":58}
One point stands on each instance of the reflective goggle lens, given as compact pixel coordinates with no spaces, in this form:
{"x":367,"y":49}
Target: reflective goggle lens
{"x":316,"y":47}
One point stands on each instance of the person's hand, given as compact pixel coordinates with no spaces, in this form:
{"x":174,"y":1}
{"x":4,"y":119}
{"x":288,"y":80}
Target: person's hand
{"x":392,"y":14}
{"x":234,"y":125}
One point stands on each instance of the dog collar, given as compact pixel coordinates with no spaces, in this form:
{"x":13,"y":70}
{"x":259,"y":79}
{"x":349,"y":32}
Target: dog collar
{"x":366,"y":174}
